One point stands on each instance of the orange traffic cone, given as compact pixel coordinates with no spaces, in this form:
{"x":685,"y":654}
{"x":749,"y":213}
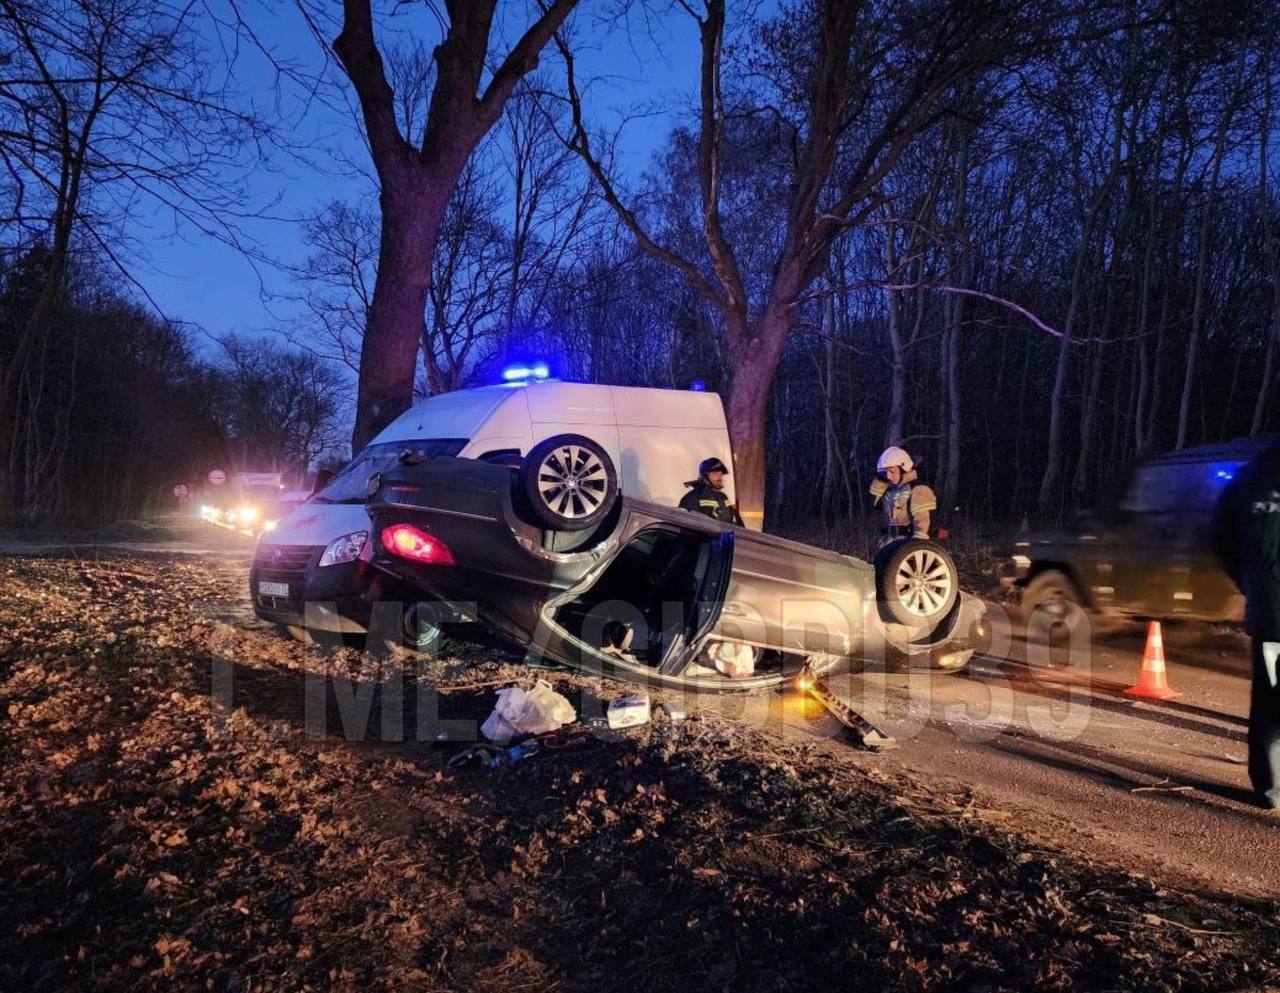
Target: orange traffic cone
{"x":1152,"y":681}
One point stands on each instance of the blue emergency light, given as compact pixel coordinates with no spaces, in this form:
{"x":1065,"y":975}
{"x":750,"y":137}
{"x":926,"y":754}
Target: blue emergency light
{"x":698,"y":386}
{"x":517,"y":373}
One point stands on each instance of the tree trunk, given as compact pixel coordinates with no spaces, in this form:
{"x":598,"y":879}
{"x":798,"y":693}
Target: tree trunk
{"x":895,"y":427}
{"x":954,"y":310}
{"x":1052,"y":479}
{"x":411,"y":216}
{"x":1202,"y":265}
{"x":755,"y":354}
{"x":1271,"y":254}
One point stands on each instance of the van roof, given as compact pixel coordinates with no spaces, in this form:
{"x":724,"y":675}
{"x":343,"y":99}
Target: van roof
{"x":470,"y":406}
{"x":1236,"y":450}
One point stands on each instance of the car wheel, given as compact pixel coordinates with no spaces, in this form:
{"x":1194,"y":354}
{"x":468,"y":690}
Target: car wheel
{"x":568,"y":483}
{"x":422,"y":632}
{"x":1051,"y":608}
{"x":916,"y":581}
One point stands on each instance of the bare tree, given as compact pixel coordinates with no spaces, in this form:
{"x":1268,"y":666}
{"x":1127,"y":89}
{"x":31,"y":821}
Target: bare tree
{"x":1202,"y":261}
{"x":417,"y":171}
{"x":1271,"y":251}
{"x":108,"y":110}
{"x":466,"y":298}
{"x":280,"y":407}
{"x":337,"y":282}
{"x":872,"y":77}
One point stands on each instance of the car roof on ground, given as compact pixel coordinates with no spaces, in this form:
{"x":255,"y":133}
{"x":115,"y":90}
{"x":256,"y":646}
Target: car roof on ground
{"x":1236,"y":450}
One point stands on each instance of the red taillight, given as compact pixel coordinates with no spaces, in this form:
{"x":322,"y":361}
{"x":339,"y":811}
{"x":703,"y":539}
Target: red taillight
{"x":413,"y":543}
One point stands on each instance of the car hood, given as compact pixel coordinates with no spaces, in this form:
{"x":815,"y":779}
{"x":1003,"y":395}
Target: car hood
{"x":317,"y":524}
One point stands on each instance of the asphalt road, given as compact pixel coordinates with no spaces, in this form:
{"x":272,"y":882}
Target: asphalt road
{"x":175,"y":535}
{"x":1160,"y":786}
{"x":1052,"y":745}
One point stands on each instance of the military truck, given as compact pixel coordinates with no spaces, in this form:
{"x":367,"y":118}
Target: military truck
{"x":1147,"y":556}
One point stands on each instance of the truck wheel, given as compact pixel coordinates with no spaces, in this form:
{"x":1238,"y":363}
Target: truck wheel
{"x":568,"y":483}
{"x":1051,"y":608}
{"x":916,"y":581}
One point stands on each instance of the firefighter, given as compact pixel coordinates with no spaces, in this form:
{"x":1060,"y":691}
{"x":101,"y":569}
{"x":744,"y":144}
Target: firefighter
{"x":1246,"y":533}
{"x":706,"y":493}
{"x":907,"y":503}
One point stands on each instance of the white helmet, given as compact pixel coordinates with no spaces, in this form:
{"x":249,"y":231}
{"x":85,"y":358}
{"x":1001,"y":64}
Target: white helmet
{"x":894,"y":456}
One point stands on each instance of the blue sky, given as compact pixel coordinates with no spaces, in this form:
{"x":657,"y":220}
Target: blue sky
{"x":196,"y":279}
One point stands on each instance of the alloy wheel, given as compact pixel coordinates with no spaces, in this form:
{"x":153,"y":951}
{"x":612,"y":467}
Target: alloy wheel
{"x":572,"y":481}
{"x":923,"y":582}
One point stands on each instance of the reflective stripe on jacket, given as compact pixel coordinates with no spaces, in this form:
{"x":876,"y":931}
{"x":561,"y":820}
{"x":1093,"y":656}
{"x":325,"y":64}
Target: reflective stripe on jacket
{"x":703,"y":498}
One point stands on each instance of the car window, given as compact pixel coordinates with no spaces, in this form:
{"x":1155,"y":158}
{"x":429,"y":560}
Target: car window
{"x":350,"y":485}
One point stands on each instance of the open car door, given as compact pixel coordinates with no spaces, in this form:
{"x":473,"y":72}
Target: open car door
{"x":712,"y":574}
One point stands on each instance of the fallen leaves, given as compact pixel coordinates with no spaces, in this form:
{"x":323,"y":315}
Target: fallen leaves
{"x":154,"y":840}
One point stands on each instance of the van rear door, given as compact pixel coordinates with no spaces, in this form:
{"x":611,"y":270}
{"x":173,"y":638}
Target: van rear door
{"x":663,"y":435}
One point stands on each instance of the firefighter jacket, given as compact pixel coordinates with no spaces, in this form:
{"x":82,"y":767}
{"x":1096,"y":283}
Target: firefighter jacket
{"x":703,"y":498}
{"x":907,"y":505}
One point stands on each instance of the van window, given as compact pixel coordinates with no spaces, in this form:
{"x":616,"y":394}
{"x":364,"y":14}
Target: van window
{"x":1190,"y":488}
{"x":349,"y":486}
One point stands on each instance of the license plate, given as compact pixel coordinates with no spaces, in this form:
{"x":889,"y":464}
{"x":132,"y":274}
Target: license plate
{"x":273,"y":589}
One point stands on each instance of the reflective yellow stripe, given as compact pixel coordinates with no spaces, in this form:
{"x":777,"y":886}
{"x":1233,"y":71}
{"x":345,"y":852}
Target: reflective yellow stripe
{"x":708,"y":503}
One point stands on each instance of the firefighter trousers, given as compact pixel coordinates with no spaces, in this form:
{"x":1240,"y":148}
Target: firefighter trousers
{"x":1264,"y":722}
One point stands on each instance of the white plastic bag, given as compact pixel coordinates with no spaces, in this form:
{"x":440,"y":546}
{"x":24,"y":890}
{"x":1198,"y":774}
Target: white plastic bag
{"x":533,"y":712}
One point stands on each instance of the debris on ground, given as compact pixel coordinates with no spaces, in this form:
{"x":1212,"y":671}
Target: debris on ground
{"x":523,"y":712}
{"x":312,"y":835}
{"x":628,"y":711}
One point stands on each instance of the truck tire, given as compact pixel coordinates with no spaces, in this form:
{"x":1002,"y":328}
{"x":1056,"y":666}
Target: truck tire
{"x":567,"y":483}
{"x":1051,"y":608}
{"x":916,"y":581}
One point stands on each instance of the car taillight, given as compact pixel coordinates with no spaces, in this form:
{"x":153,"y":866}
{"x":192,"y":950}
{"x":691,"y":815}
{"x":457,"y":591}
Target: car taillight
{"x":416,"y":545}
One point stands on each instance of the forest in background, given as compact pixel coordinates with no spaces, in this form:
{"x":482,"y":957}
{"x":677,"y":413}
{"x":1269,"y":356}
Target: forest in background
{"x":1070,"y":261}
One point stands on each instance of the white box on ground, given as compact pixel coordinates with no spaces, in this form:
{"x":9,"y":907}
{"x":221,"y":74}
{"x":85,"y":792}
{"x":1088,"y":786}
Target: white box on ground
{"x":628,"y":711}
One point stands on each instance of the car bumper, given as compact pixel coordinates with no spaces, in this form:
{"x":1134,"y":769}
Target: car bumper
{"x":335,"y":598}
{"x":966,"y":631}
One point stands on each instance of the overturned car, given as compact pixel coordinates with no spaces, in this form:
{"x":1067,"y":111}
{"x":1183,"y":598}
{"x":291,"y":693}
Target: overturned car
{"x":551,"y":555}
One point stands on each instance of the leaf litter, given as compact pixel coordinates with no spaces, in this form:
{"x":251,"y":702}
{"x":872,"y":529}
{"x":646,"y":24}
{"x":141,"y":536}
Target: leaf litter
{"x":155,"y":839}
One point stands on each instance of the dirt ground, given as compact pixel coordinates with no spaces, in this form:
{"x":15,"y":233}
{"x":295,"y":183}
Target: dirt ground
{"x":155,"y":839}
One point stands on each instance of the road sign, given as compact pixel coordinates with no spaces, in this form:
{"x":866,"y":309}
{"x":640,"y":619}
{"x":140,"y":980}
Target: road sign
{"x":180,"y":491}
{"x":217,"y":477}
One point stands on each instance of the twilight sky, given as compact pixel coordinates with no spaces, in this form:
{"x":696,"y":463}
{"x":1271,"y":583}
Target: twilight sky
{"x":196,"y":279}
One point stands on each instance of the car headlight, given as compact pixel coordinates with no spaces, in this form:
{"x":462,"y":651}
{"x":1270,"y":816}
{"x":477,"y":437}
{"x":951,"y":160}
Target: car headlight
{"x":248,"y":515}
{"x":344,"y":549}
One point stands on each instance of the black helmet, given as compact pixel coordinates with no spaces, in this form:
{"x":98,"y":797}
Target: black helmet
{"x":712,"y":464}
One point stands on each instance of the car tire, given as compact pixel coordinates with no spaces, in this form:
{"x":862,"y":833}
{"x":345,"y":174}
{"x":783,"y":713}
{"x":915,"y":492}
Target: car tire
{"x":422,"y":632}
{"x":567,"y":483}
{"x":1051,"y":608}
{"x":916,"y":581}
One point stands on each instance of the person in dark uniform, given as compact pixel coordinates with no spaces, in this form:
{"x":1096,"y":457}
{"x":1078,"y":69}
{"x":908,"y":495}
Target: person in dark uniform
{"x":706,"y":493}
{"x":1246,"y":537}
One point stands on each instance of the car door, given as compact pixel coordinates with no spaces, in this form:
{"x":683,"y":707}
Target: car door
{"x":795,"y":598}
{"x":1148,"y":550}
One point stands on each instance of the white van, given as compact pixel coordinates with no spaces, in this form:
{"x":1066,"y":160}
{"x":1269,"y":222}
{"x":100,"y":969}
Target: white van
{"x":319,"y":553}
